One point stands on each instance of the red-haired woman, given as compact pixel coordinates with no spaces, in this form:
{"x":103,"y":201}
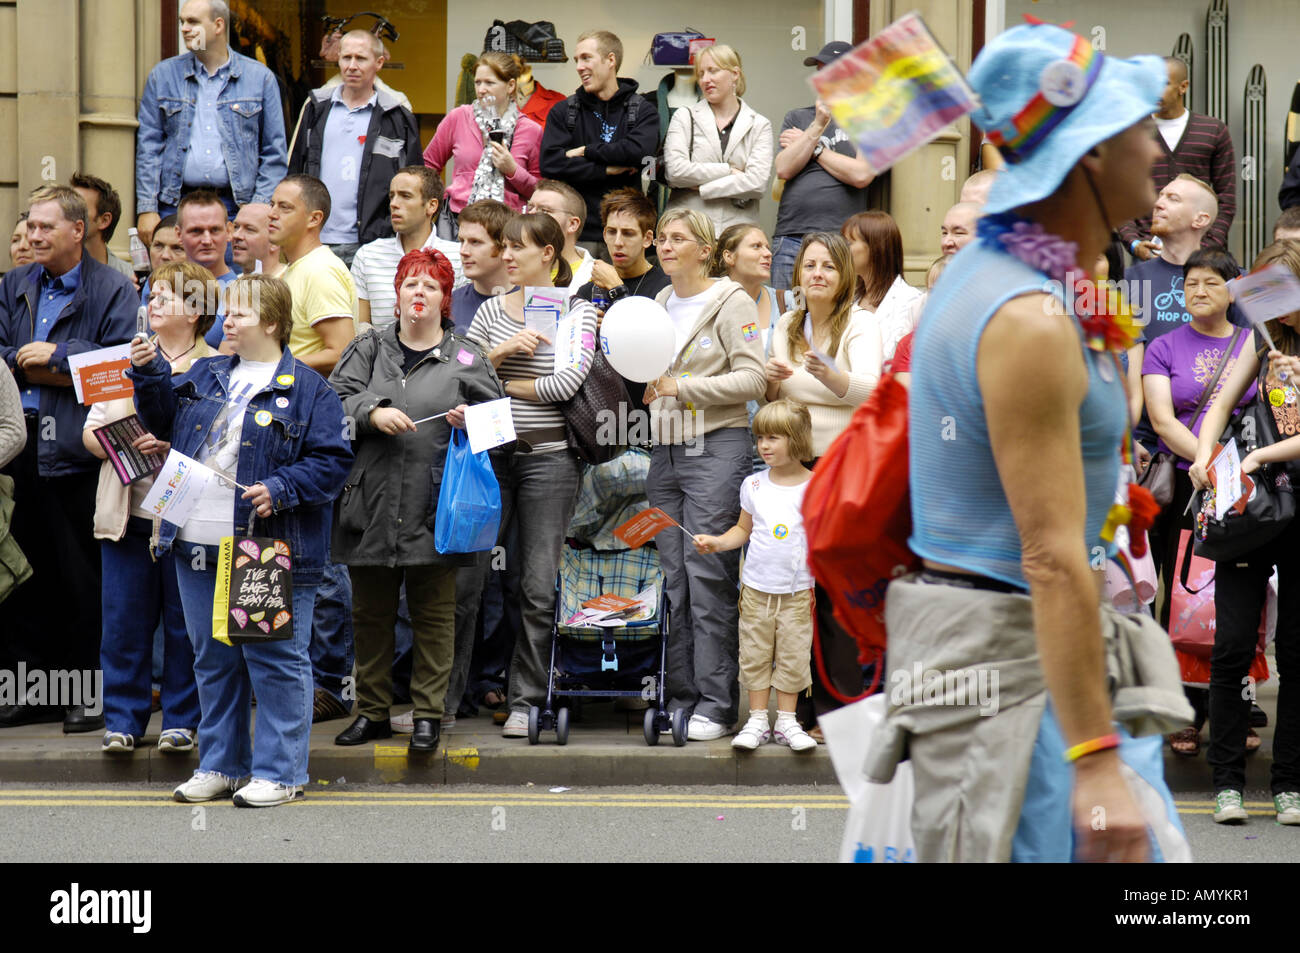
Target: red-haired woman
{"x":383,"y":530}
{"x":877,"y":248}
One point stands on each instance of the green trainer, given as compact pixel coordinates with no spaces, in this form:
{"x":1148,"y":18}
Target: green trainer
{"x":1228,"y":808}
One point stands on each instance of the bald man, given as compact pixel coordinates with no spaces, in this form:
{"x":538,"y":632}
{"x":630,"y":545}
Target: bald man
{"x":976,"y":188}
{"x":250,"y":244}
{"x":958,"y":228}
{"x":1191,"y":144}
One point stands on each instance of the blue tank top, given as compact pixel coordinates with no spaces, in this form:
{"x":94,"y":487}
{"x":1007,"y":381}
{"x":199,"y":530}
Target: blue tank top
{"x":960,"y":514}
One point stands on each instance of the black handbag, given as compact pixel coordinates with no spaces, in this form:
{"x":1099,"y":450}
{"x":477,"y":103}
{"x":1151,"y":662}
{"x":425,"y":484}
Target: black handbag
{"x":533,"y":42}
{"x":1272,"y":503}
{"x":592,"y":409}
{"x":1159,"y":476}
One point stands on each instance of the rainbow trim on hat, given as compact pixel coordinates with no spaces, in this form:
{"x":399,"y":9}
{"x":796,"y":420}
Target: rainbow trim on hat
{"x":1027,"y":128}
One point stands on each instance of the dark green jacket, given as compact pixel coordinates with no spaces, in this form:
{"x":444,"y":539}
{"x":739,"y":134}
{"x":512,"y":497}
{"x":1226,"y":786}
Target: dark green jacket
{"x":383,"y":515}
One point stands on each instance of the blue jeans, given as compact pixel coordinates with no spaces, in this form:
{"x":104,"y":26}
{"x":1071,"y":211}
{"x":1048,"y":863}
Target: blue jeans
{"x":279,"y":673}
{"x":332,"y":648}
{"x":784,"y":250}
{"x":126,"y":649}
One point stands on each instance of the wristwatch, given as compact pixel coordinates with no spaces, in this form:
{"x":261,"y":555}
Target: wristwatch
{"x":821,"y":146}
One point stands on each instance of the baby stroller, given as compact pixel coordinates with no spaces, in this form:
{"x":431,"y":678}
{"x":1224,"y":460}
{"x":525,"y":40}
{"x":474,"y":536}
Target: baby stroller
{"x":626,"y":661}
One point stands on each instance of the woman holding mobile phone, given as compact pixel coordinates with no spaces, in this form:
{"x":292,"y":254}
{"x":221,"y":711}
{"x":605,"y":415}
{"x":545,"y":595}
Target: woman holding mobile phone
{"x":496,"y":150}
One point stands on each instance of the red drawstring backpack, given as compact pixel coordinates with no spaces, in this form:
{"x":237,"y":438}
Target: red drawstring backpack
{"x":857,"y":518}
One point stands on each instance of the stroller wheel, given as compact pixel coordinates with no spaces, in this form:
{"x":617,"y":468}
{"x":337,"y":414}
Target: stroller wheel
{"x":679,"y":727}
{"x":651,"y":729}
{"x":562,"y":727}
{"x":534,"y":725}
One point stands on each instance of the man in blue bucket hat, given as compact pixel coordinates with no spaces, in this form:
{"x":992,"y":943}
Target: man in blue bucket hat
{"x":1002,"y":674}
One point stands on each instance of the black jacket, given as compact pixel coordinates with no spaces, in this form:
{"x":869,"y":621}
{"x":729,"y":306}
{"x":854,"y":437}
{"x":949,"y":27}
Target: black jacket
{"x":383,"y":516}
{"x":392,"y":142}
{"x":611,"y":137}
{"x":1289,"y":194}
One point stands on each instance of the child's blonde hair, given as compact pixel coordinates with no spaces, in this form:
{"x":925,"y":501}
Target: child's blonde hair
{"x":789,"y":419}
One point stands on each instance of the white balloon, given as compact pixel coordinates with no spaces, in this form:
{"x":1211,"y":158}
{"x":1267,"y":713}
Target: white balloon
{"x":638,"y":338}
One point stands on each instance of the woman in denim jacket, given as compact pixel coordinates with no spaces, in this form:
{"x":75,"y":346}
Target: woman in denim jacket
{"x":275,"y":426}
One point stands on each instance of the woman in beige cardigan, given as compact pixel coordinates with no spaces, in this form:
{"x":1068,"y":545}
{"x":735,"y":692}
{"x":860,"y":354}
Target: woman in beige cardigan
{"x":826,"y":353}
{"x":702,"y":451}
{"x":718,"y":152}
{"x":182,"y":303}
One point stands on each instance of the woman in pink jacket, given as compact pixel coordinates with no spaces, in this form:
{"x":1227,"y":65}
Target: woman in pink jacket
{"x":495,"y":149}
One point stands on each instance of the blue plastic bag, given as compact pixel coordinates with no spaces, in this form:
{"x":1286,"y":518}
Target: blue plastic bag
{"x":469,"y":500}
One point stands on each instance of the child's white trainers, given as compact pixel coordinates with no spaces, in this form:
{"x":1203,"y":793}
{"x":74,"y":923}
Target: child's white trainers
{"x":788,"y":731}
{"x":756,"y":732}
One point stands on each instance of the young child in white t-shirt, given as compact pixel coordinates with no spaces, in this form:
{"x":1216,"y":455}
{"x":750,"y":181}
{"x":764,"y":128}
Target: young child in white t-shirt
{"x":776,"y":586}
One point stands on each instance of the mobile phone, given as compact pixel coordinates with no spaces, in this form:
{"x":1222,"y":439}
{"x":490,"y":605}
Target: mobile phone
{"x":142,"y":322}
{"x":496,"y":135}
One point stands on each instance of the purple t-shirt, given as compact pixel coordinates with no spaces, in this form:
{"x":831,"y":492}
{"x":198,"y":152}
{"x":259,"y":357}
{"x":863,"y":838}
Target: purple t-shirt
{"x":1189,"y":359}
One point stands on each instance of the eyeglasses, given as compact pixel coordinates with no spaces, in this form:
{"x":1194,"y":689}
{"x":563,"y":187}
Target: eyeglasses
{"x":531,"y":209}
{"x":674,"y":241}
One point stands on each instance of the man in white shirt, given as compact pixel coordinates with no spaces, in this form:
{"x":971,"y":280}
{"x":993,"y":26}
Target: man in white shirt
{"x":414,"y":195}
{"x":563,"y":203}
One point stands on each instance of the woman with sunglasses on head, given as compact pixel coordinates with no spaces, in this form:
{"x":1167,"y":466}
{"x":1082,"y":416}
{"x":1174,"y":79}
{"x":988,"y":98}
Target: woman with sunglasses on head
{"x":702,"y":452}
{"x":540,"y":484}
{"x":496,"y":150}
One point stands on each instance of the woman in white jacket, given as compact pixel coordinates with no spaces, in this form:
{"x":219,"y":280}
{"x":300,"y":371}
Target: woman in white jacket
{"x":718,"y":152}
{"x":877,"y":248}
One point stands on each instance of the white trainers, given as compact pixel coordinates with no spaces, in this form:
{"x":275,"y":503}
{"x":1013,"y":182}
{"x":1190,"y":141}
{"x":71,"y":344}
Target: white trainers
{"x":117,"y":742}
{"x":756,"y":732}
{"x":791,"y":733}
{"x":516,"y":725}
{"x":263,"y":793}
{"x":403,"y":724}
{"x":176,"y":741}
{"x":204,"y":786}
{"x":702,"y":729}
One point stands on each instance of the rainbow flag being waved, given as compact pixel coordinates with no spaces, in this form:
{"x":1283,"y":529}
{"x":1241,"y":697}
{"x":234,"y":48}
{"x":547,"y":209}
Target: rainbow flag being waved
{"x":895,"y":92}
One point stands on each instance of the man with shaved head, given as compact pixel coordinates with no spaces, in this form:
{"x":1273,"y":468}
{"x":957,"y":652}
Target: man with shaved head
{"x":958,"y":227}
{"x":250,"y":242}
{"x":976,"y":188}
{"x":1184,"y":212}
{"x":1190,"y":144}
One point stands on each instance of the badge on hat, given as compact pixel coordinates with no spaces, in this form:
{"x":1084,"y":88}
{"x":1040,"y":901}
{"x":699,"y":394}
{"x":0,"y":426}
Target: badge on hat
{"x":1062,"y":83}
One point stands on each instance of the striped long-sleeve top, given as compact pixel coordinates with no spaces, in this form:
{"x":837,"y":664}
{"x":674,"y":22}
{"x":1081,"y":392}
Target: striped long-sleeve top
{"x":1205,"y":151}
{"x":492,"y":327}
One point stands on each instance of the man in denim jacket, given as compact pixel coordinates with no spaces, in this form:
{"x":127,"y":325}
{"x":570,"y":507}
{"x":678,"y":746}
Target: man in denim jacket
{"x":208,"y":118}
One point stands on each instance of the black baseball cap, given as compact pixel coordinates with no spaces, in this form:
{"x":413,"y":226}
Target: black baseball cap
{"x":829,"y":54}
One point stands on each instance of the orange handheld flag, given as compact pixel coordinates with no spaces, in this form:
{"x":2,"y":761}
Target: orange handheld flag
{"x":645,"y":526}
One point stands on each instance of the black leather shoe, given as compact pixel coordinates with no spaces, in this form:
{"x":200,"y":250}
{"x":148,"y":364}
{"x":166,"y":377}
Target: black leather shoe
{"x":77,"y":721}
{"x":11,"y":716}
{"x":363,"y":730}
{"x":425,"y":736}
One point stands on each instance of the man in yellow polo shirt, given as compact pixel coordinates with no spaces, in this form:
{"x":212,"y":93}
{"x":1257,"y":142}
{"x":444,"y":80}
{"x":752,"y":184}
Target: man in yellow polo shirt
{"x":324,"y":297}
{"x":324,"y":321}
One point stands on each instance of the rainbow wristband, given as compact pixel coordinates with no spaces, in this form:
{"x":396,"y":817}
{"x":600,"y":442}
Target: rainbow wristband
{"x":1089,"y":747}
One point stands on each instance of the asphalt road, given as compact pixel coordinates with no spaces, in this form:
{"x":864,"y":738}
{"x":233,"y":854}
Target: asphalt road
{"x":345,"y":823}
